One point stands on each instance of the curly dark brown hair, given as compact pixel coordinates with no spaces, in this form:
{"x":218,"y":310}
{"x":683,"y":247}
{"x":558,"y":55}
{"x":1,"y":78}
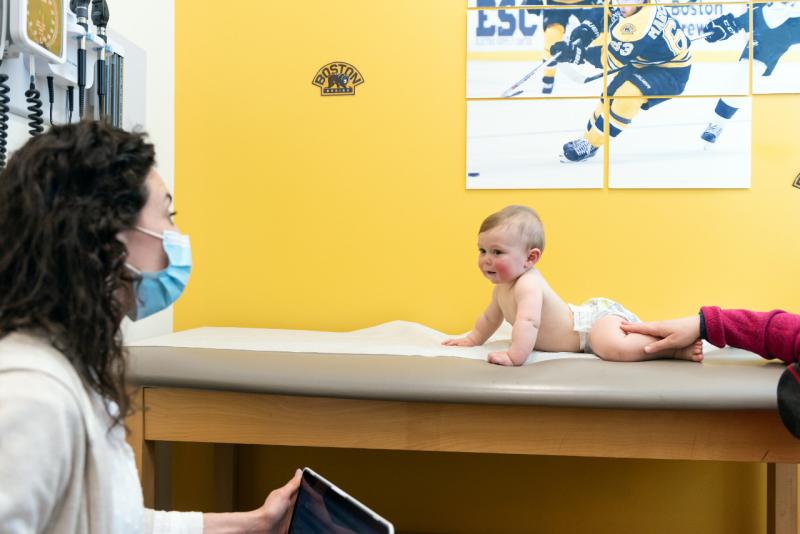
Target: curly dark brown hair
{"x":64,"y":197}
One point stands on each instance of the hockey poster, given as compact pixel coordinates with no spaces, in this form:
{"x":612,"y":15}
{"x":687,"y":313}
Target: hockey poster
{"x":776,"y":47}
{"x":645,"y":94}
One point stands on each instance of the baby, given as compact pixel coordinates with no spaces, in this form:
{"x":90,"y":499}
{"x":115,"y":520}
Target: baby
{"x":510,"y":244}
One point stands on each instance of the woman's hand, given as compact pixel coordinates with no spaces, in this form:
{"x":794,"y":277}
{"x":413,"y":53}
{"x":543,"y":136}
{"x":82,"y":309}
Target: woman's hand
{"x":273,"y":517}
{"x":277,"y":509}
{"x":676,"y":333}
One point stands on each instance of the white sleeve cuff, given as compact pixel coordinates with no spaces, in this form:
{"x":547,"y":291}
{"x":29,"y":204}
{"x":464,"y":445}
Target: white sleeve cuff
{"x":159,"y":522}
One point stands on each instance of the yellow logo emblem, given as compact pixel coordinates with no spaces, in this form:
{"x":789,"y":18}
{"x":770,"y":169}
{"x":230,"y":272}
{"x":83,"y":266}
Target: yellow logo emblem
{"x":628,"y":29}
{"x":337,"y":78}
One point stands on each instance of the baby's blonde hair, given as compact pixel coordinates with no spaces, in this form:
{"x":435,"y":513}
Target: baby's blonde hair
{"x":521,"y":218}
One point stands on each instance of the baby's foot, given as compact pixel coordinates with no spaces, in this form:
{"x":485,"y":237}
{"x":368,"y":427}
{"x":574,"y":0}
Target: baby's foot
{"x":693,"y":353}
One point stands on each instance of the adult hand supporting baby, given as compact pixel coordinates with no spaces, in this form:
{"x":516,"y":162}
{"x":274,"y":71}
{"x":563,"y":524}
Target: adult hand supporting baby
{"x":676,"y":333}
{"x":771,"y":334}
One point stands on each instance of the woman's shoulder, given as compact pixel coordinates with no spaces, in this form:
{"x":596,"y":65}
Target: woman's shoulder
{"x":43,"y":461}
{"x":34,"y":373}
{"x":40,"y":412}
{"x":31,"y":351}
{"x":41,"y":395}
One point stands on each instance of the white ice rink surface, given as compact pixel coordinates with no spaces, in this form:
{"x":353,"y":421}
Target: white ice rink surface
{"x":488,"y":79}
{"x":662,"y":148}
{"x":515,"y":144}
{"x":784,"y":79}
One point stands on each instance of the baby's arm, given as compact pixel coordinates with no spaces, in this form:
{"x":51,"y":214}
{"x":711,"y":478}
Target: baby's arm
{"x":485,"y":326}
{"x":528,"y":294}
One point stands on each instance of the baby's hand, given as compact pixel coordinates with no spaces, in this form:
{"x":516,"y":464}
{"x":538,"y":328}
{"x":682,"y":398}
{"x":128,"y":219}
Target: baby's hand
{"x":500,"y":358}
{"x":459,"y":342}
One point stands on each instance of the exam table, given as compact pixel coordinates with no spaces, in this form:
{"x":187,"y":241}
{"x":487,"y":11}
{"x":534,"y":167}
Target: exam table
{"x":394,"y":387}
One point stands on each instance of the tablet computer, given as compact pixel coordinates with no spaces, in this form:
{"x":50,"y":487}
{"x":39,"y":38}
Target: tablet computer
{"x":323,"y":507}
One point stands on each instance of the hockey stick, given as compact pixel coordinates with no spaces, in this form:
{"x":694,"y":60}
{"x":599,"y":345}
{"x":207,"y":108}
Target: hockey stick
{"x":508,"y":92}
{"x":613,"y":71}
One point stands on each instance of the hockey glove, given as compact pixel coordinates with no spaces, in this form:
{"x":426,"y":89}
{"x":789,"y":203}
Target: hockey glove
{"x":568,"y":52}
{"x":585,"y":33}
{"x":721,"y":28}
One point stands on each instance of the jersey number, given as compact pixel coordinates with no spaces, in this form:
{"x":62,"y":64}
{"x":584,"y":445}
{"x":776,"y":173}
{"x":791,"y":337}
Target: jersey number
{"x":675,"y":38}
{"x":623,"y":49}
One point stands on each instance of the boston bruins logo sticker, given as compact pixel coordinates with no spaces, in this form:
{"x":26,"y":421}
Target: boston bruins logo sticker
{"x":337,"y":78}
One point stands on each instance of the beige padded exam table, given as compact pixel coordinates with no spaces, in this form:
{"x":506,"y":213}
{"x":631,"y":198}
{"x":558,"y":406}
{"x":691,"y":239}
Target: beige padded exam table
{"x":722,"y":409}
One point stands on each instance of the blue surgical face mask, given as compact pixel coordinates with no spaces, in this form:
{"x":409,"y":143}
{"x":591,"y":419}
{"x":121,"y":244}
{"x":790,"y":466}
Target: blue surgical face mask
{"x":156,"y":291}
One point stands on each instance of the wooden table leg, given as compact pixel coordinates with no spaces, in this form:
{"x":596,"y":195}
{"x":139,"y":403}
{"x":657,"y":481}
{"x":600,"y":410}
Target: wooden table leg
{"x":781,"y":498}
{"x":163,"y":473}
{"x":143,"y":451}
{"x":225,"y":477}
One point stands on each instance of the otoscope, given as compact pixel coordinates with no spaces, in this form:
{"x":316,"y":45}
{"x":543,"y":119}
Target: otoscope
{"x":100,"y":19}
{"x":81,"y":10}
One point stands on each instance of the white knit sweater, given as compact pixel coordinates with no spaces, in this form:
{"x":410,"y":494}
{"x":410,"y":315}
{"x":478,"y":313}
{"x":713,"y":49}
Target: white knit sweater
{"x":61,"y":469}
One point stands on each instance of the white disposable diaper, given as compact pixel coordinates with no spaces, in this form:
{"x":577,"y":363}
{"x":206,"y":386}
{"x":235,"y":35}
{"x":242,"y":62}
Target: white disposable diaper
{"x":585,"y":315}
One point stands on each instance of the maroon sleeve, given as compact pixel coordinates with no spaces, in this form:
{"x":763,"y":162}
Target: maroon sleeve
{"x":773,"y":334}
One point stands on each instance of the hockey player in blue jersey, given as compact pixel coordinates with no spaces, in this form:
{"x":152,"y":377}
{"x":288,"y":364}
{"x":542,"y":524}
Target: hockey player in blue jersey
{"x":554,"y":24}
{"x":653,"y":57}
{"x":776,"y":27}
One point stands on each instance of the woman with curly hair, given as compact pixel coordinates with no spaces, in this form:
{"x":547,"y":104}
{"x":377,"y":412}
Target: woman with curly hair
{"x":86,"y":238}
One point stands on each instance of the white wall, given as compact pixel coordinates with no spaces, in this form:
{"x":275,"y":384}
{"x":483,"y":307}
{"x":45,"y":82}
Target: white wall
{"x":150,"y":24}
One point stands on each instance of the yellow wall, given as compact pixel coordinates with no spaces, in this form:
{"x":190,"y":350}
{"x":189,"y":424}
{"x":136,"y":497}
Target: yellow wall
{"x":342,"y":212}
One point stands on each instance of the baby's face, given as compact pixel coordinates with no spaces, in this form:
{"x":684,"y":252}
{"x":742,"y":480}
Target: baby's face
{"x":502,"y":256}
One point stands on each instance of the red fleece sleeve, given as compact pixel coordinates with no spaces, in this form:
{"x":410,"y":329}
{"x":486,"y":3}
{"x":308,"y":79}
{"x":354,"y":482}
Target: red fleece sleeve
{"x":773,"y":334}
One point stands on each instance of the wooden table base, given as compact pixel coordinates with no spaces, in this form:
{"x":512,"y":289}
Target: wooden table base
{"x":263,"y":419}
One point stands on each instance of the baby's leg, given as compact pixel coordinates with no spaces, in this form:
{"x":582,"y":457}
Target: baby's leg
{"x":609,"y":342}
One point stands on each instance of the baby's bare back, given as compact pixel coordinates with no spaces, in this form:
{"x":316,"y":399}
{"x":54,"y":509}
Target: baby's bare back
{"x":555,"y":329}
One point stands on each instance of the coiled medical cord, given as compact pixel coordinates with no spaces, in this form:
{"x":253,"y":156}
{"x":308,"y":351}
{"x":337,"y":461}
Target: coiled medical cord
{"x":34,"y":99}
{"x":4,"y":109}
{"x":4,"y":89}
